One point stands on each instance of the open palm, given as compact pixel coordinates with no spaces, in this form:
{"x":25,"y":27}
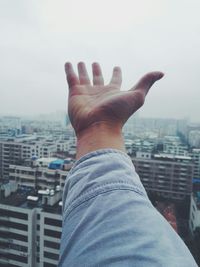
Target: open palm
{"x":99,"y":103}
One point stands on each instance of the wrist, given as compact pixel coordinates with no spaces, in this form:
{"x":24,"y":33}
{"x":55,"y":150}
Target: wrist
{"x":100,"y":135}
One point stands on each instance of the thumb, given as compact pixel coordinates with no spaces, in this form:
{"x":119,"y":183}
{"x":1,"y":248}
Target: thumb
{"x":139,"y":91}
{"x":145,"y":83}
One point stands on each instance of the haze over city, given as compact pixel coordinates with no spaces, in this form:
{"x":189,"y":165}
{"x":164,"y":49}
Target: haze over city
{"x":37,"y":37}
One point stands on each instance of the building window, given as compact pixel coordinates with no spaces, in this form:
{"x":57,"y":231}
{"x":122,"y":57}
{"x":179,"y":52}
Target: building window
{"x":47,"y":264}
{"x":18,"y":247}
{"x":50,"y":244}
{"x":53,"y":222}
{"x":14,"y":225}
{"x":9,"y":213}
{"x":50,"y":255}
{"x":52,"y":233}
{"x":9,"y":235}
{"x":23,"y":259}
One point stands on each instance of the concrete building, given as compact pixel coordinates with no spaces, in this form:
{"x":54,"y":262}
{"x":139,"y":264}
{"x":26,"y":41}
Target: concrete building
{"x":9,"y":126}
{"x":173,"y":145}
{"x":30,"y":228}
{"x":167,"y":175}
{"x":194,"y":138}
{"x":50,"y":235}
{"x":138,"y":144}
{"x":15,"y":151}
{"x":194,"y":220}
{"x":11,"y":153}
{"x":17,"y":236}
{"x":144,"y":126}
{"x":42,"y":174}
{"x":195,"y":155}
{"x":1,"y":162}
{"x":62,"y":145}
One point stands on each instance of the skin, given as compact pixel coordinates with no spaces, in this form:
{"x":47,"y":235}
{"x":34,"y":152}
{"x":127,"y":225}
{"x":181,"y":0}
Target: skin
{"x":97,"y":111}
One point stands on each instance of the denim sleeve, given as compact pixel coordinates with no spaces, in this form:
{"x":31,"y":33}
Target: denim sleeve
{"x":108,"y":219}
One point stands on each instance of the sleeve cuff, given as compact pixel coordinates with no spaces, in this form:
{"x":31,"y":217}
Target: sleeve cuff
{"x":98,"y":172}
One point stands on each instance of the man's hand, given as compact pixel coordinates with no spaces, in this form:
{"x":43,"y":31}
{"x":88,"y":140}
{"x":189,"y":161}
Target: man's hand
{"x":103,"y":109}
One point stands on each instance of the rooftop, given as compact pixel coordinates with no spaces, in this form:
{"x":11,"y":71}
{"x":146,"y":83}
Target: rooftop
{"x":45,"y":160}
{"x":29,"y":198}
{"x":17,"y":198}
{"x":171,"y":157}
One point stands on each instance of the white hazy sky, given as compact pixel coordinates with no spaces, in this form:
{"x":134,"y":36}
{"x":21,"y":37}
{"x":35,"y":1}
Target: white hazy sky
{"x":38,"y":36}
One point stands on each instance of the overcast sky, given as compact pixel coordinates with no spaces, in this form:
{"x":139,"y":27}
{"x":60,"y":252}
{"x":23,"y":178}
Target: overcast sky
{"x":38,"y":36}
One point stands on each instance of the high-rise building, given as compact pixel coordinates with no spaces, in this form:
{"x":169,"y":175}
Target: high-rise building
{"x":167,"y":175}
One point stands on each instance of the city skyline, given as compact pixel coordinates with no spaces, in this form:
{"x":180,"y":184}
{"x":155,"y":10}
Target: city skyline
{"x":59,"y":113}
{"x":36,"y":157}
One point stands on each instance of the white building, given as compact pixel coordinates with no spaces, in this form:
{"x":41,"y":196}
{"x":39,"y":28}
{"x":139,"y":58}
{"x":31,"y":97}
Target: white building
{"x":194,"y":138}
{"x":44,"y":173}
{"x":30,"y":229}
{"x":17,"y":235}
{"x":195,"y":155}
{"x":173,"y":145}
{"x":62,"y":145}
{"x":194,"y":220}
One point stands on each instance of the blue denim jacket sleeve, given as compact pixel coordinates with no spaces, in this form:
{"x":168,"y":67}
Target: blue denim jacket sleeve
{"x":108,"y":219}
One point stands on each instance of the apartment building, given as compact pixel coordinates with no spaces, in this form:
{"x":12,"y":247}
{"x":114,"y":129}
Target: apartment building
{"x":195,"y":155}
{"x":173,"y":145}
{"x":15,"y":151}
{"x":194,"y":220}
{"x":1,"y":158}
{"x":17,"y":234}
{"x":194,"y":138}
{"x":30,"y":228}
{"x":9,"y":125}
{"x":42,"y":174}
{"x":50,"y":235}
{"x":11,"y":153}
{"x":167,"y":175}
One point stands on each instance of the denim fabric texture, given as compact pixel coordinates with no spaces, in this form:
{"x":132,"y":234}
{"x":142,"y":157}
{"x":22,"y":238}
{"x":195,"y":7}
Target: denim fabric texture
{"x":108,"y":219}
